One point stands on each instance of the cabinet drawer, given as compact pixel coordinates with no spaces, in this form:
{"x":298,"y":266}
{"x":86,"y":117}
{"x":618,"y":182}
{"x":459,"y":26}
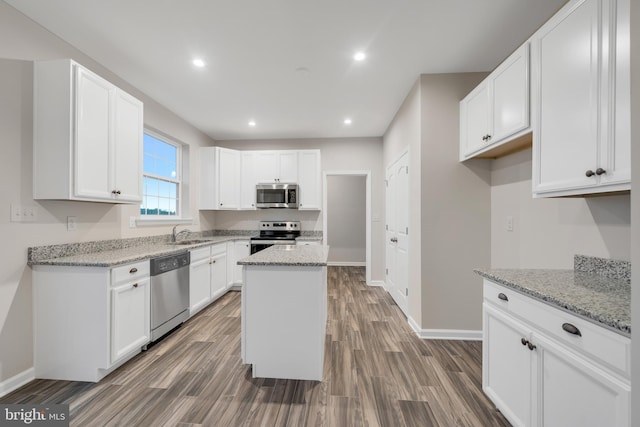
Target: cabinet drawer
{"x":590,"y":340}
{"x":219,"y":248}
{"x":130,"y":272}
{"x":200,"y":253}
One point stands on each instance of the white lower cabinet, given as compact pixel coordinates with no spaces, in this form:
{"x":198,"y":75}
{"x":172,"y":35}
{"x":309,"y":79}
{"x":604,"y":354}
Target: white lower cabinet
{"x":130,"y":317}
{"x":545,"y":367}
{"x":236,"y":251}
{"x":89,"y":320}
{"x":207,"y":276}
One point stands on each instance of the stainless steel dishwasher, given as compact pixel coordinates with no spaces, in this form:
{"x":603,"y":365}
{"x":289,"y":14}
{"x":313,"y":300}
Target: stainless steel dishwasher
{"x":169,"y":293}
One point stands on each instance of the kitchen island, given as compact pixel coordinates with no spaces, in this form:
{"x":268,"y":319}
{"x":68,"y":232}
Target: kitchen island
{"x":284,"y":311}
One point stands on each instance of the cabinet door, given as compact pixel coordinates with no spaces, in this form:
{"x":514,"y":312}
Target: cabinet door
{"x":566,"y":58}
{"x":241,"y":249}
{"x":506,"y":365}
{"x":288,"y":166}
{"x":474,"y":116}
{"x":130,"y":318}
{"x":576,"y":393}
{"x":219,"y":283}
{"x":248,"y":180}
{"x":309,"y":180}
{"x":127,"y":168}
{"x":228,"y":179}
{"x":510,"y":94}
{"x":199,"y":285}
{"x":92,"y":149}
{"x":266,"y":166}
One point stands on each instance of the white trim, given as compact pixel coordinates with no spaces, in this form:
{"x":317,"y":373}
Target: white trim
{"x":376,"y":283}
{"x":346,"y":264}
{"x":17,"y":381}
{"x":367,"y":175}
{"x":444,"y":334}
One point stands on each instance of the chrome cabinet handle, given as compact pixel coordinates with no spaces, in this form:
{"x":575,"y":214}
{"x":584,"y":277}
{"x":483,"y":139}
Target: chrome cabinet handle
{"x":503,"y":297}
{"x":568,"y":327}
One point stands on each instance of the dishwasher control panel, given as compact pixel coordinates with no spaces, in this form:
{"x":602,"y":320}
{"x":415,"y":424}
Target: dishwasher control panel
{"x":169,"y":262}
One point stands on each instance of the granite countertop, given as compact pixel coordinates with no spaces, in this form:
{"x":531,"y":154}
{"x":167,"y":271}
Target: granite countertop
{"x":94,"y":255}
{"x":292,"y":255}
{"x":603,"y":300}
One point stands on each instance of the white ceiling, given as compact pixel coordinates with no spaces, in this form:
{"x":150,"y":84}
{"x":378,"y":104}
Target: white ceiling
{"x":288,"y":64}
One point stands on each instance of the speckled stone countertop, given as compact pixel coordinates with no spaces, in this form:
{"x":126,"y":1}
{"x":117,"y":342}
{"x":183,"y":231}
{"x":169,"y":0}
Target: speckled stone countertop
{"x":602,"y":297}
{"x":121,"y":251}
{"x":309,"y":238}
{"x":292,"y":255}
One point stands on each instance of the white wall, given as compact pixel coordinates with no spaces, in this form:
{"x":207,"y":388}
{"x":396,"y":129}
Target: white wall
{"x":548,"y":232}
{"x":21,"y":42}
{"x":346,"y":218}
{"x":404,"y":133}
{"x":455,"y":210}
{"x":338,"y":154}
{"x":449,"y":205}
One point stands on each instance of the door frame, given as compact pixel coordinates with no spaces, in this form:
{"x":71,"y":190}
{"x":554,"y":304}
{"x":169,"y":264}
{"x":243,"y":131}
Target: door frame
{"x":367,"y":175}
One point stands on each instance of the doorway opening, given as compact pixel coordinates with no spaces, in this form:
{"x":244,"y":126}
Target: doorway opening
{"x":347,"y":218}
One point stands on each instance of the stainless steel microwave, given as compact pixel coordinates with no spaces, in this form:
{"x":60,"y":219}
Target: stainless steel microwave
{"x":277,"y":196}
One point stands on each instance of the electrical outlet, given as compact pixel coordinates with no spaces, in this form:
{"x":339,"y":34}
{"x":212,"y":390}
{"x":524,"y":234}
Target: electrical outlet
{"x":132,"y":222}
{"x":509,"y":223}
{"x":72,"y":223}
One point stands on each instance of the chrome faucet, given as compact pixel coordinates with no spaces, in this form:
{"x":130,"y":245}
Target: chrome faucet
{"x":174,"y":235}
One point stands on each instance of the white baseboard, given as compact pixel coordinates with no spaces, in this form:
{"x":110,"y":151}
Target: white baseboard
{"x":444,"y":334}
{"x":17,"y":381}
{"x":376,"y":283}
{"x":346,"y":264}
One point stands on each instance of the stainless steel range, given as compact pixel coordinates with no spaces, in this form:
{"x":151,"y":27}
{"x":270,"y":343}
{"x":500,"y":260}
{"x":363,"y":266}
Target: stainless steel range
{"x":275,"y":233}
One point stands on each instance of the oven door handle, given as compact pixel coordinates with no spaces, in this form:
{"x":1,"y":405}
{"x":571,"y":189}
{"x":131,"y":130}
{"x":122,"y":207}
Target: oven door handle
{"x":273,"y":242}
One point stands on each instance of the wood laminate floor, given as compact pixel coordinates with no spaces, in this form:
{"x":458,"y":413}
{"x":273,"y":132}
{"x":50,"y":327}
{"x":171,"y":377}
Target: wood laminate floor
{"x":376,"y":373}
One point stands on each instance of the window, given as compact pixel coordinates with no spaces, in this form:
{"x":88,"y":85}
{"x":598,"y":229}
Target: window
{"x":161,"y":177}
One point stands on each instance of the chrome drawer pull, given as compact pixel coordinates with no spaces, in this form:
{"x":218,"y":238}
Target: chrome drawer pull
{"x":503,"y":297}
{"x":571,"y":329}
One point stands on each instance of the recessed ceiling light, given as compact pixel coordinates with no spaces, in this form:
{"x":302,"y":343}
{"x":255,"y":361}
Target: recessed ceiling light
{"x":198,"y":62}
{"x":359,"y":56}
{"x":347,"y":121}
{"x":252,"y":123}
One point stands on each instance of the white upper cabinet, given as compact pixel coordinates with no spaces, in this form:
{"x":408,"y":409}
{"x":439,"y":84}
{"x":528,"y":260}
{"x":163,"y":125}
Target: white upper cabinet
{"x":228,"y":177}
{"x":219,"y":178}
{"x":581,"y":124}
{"x":87,"y":136}
{"x":495,"y":114}
{"x":276,"y":166}
{"x":248,"y":179}
{"x":309,"y":180}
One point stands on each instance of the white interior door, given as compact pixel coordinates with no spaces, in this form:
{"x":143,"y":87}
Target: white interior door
{"x":397,"y":232}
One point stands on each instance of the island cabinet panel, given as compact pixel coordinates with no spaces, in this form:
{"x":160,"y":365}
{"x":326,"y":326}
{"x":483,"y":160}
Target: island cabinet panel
{"x":284,"y":315}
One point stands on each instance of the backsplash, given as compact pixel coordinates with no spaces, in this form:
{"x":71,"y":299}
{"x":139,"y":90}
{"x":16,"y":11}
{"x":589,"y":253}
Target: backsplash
{"x":611,"y":268}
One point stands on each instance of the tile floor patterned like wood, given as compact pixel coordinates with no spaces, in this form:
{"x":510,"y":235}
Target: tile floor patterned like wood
{"x":377,"y":373}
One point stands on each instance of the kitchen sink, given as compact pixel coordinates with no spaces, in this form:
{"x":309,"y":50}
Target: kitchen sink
{"x":187,"y":242}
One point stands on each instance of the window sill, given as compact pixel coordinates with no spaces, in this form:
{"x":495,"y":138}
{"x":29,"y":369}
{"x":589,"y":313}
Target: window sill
{"x":148,"y":222}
